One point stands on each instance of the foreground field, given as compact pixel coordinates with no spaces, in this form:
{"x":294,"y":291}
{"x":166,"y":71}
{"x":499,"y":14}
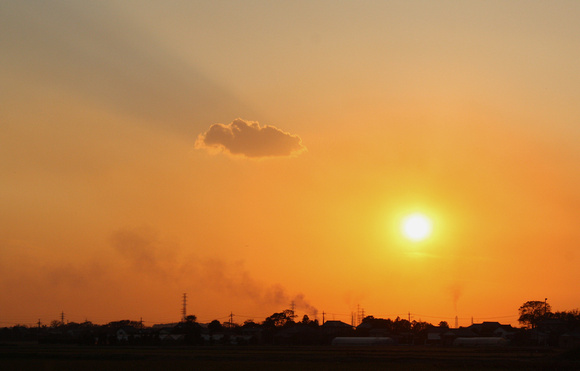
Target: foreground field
{"x":42,"y":357}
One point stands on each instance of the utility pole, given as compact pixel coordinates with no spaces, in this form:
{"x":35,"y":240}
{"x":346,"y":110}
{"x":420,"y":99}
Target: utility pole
{"x":545,"y":307}
{"x":323,"y":317}
{"x":39,"y":323}
{"x":62,"y":317}
{"x":184,"y":309}
{"x":231,"y":320}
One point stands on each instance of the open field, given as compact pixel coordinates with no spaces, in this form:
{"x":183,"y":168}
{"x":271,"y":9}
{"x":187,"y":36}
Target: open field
{"x":59,"y":357}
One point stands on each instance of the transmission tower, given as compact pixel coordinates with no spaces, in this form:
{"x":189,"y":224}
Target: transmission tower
{"x":184,"y":308}
{"x":360,"y":315}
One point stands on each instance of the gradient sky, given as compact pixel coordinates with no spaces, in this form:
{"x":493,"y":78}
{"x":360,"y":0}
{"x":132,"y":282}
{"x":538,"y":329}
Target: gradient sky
{"x":252,"y":153}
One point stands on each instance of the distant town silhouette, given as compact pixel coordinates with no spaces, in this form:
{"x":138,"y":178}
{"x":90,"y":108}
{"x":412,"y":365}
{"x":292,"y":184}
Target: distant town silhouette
{"x":540,"y":326}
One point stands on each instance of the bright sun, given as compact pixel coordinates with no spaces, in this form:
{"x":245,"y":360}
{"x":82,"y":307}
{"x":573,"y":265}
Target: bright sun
{"x":416,"y":227}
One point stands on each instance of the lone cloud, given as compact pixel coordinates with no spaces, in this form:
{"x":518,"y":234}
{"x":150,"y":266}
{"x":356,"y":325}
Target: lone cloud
{"x":247,"y":138}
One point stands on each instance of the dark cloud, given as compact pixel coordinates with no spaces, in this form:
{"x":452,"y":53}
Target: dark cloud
{"x":249,"y":139}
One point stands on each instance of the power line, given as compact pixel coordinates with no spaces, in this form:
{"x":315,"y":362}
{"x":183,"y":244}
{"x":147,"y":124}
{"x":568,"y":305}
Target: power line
{"x":463,"y":318}
{"x":32,"y":320}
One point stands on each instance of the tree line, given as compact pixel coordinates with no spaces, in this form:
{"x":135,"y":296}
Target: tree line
{"x":534,"y":311}
{"x":279,"y":328}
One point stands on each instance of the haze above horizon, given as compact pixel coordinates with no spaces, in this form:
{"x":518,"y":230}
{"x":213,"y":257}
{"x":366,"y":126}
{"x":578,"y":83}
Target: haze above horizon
{"x":257,"y":153}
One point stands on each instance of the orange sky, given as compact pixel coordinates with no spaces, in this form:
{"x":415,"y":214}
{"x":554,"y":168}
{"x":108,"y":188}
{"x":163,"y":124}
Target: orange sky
{"x":119,"y":191}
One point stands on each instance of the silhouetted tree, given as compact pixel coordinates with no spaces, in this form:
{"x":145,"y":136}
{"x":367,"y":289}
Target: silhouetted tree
{"x":191,"y":330}
{"x":191,"y":318}
{"x":401,"y":325}
{"x":419,"y":326}
{"x":443,"y":324}
{"x":571,"y":318}
{"x":378,"y":322}
{"x":87,"y":324}
{"x":531,"y":312}
{"x":279,"y":319}
{"x":250,"y":324}
{"x":215,"y":326}
{"x":368,"y":319}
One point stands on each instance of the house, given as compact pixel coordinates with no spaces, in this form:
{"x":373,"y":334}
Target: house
{"x":211,"y":339}
{"x":298,"y":334}
{"x":485,"y":328}
{"x":552,"y":326}
{"x":126,"y":333}
{"x":435,"y":335}
{"x":171,"y":336}
{"x":463,"y":332}
{"x":160,"y":326}
{"x":336,"y":328}
{"x":254,"y":333}
{"x":550,"y":330}
{"x":505,"y":331}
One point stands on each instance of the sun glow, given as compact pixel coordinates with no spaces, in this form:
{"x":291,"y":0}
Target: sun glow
{"x":416,"y":227}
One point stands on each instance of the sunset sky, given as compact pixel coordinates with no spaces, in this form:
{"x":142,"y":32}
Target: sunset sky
{"x":255,"y":153}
